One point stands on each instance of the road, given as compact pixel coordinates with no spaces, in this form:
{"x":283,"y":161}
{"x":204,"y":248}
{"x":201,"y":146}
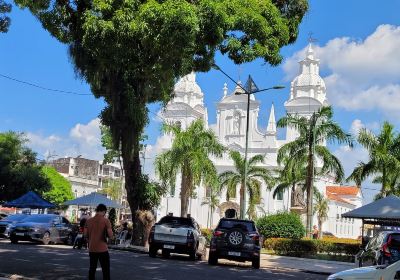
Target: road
{"x":33,"y":261}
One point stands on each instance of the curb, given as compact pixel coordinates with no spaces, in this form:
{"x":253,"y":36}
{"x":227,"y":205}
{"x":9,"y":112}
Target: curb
{"x":142,"y":250}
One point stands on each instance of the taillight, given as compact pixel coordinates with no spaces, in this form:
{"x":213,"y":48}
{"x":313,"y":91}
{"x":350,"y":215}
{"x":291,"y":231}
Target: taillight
{"x":255,"y":237}
{"x":385,"y":247}
{"x":218,"y":233}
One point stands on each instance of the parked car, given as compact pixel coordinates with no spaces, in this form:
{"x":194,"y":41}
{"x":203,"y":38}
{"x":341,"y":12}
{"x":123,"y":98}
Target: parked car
{"x":177,"y":235}
{"x":236,"y":240}
{"x":380,"y":272}
{"x":6,"y":223}
{"x":45,"y":228}
{"x":380,"y":250}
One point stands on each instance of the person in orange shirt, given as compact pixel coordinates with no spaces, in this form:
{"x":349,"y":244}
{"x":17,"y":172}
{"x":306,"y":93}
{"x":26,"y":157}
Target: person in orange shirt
{"x":97,"y":229}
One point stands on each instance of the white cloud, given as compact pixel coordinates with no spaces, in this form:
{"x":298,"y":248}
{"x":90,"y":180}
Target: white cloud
{"x":83,"y":139}
{"x":361,"y":74}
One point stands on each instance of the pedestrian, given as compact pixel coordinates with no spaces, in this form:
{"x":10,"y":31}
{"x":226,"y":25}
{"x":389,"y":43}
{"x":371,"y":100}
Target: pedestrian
{"x":97,"y":229}
{"x":315,"y":232}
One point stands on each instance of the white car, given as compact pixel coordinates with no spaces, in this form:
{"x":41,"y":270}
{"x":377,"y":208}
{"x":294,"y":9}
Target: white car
{"x":379,"y":272}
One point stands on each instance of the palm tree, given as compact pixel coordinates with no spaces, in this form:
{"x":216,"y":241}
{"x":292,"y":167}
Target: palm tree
{"x":321,"y":208}
{"x":291,"y":174}
{"x":384,"y":153}
{"x":255,"y":175}
{"x":189,"y":156}
{"x":213,"y":202}
{"x":112,"y":188}
{"x":313,"y":133}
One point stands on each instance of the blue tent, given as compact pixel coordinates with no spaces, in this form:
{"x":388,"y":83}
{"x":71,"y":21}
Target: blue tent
{"x":30,"y":200}
{"x":92,"y":200}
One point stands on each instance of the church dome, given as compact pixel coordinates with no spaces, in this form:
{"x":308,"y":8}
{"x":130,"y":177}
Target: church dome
{"x":187,"y":84}
{"x":304,"y":80}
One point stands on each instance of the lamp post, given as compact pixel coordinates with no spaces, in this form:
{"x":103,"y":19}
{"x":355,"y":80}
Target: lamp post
{"x":249,"y":89}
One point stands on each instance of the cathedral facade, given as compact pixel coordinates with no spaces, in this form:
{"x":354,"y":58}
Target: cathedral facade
{"x":307,"y":95}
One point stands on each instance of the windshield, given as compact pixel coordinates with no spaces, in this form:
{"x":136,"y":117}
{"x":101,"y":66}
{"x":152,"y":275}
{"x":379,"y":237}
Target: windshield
{"x":176,"y":222}
{"x":39,"y":219}
{"x":228,"y":224}
{"x":15,"y":218}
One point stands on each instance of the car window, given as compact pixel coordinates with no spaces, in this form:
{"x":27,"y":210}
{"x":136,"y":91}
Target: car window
{"x":176,"y":222}
{"x":39,"y":218}
{"x":229,"y":224}
{"x":65,"y":221}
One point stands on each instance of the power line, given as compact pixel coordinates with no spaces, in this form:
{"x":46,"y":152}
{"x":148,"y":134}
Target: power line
{"x":41,"y":87}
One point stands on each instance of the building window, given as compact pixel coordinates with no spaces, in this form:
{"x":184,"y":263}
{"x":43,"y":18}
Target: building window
{"x":106,"y":171}
{"x":117,"y":173}
{"x":279,"y":195}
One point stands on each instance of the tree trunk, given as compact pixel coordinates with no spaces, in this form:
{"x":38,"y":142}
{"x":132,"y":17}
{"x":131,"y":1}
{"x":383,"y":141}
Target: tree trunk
{"x":309,"y":187}
{"x":319,"y":227}
{"x":186,"y":190}
{"x":242,"y":202}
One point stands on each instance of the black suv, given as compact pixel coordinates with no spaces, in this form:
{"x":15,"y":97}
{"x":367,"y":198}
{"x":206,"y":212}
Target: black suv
{"x":381,"y":250}
{"x":236,"y":240}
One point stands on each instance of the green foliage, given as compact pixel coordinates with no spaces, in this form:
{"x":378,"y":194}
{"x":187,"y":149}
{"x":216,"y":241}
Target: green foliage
{"x":19,"y":171}
{"x":207,"y":233}
{"x":112,"y":216}
{"x":189,"y":155}
{"x":112,"y":188}
{"x":112,"y":151}
{"x":255,"y":175}
{"x":60,"y":190}
{"x":309,"y":146}
{"x":310,"y":247}
{"x":151,"y":193}
{"x":383,"y":161}
{"x":4,"y":20}
{"x":321,"y":208}
{"x":281,"y":225}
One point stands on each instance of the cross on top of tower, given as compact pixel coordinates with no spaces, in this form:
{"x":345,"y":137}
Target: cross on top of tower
{"x":310,"y":38}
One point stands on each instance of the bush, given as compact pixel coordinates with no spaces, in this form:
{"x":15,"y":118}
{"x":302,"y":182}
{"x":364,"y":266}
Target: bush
{"x":309,"y":247}
{"x":281,"y":225}
{"x":207,"y":233}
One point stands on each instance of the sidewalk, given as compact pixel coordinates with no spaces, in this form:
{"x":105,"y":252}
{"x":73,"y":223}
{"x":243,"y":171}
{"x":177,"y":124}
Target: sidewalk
{"x":273,"y":261}
{"x":305,"y":265}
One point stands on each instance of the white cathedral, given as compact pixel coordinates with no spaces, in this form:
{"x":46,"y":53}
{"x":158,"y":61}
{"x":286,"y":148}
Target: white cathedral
{"x":307,"y":95}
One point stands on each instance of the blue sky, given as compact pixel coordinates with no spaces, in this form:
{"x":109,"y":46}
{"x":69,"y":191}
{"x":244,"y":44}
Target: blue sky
{"x":358,"y":44}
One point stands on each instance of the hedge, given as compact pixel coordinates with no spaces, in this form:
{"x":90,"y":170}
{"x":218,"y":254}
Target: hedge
{"x":281,"y":225}
{"x":309,"y":247}
{"x":207,"y":233}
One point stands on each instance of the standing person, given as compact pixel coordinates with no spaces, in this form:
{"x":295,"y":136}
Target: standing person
{"x":315,"y":232}
{"x":97,"y":229}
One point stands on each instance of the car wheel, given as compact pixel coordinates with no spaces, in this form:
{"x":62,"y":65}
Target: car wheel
{"x":236,"y":237}
{"x":212,"y":259}
{"x":152,"y":252}
{"x":255,"y":263}
{"x":14,"y":240}
{"x":69,"y":241}
{"x":46,"y":238}
{"x":165,"y":254}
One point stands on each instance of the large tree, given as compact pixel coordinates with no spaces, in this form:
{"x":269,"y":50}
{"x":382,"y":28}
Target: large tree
{"x":131,"y":51}
{"x":256,"y":174}
{"x":384,"y":154}
{"x":19,"y":170}
{"x":61,"y":189}
{"x":313,"y":132}
{"x":189,"y":156}
{"x":5,"y":21}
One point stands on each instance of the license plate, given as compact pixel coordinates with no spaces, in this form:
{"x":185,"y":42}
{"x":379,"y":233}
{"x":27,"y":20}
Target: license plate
{"x":236,"y":254}
{"x":169,"y":247}
{"x":20,"y":234}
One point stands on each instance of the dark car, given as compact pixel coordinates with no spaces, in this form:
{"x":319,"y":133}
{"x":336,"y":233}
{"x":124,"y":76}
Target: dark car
{"x":380,"y":250}
{"x":6,"y":223}
{"x":236,"y":240}
{"x":45,"y":228}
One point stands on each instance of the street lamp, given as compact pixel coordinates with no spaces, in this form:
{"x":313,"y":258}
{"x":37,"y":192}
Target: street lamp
{"x":249,"y":89}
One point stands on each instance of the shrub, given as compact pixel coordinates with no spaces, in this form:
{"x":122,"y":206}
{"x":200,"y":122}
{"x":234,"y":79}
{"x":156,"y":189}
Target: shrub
{"x":281,"y":225}
{"x":309,"y":247}
{"x":207,"y":233}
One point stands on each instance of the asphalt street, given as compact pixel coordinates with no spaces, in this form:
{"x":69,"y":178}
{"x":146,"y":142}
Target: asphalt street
{"x":33,"y":261}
